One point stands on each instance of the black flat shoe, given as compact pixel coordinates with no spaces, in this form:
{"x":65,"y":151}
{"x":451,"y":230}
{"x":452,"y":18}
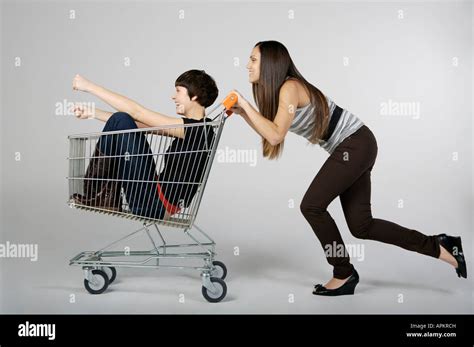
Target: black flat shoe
{"x":454,"y":246}
{"x":346,"y":289}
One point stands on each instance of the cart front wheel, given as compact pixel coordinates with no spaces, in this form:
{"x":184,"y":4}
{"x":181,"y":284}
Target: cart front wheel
{"x":219,"y":294}
{"x":98,"y":282}
{"x":110,"y":272}
{"x":220,"y":270}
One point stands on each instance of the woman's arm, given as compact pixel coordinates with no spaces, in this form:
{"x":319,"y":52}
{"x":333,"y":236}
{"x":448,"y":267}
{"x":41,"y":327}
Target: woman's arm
{"x":273,"y":131}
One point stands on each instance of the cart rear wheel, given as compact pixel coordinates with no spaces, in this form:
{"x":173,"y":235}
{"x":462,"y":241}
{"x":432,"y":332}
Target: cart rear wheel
{"x":98,"y":282}
{"x":221,"y":290}
{"x":220,"y":271}
{"x":110,"y":272}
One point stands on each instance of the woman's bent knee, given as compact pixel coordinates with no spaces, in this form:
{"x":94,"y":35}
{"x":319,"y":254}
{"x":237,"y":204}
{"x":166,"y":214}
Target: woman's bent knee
{"x":310,"y":207}
{"x":360,"y":229}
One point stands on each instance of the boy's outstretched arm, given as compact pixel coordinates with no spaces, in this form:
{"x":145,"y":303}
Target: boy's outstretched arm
{"x":85,"y":112}
{"x":121,"y":103}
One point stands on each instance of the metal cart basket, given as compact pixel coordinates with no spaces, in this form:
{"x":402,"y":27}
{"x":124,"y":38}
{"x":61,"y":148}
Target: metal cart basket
{"x":153,"y":176}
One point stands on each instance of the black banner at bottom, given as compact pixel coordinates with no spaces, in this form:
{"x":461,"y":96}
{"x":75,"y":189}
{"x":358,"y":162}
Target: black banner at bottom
{"x":65,"y":330}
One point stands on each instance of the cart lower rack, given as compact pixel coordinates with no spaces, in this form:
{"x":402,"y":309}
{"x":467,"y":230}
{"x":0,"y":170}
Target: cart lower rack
{"x":155,"y":176}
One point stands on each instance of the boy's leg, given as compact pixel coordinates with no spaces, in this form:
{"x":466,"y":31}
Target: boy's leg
{"x":134,"y":165}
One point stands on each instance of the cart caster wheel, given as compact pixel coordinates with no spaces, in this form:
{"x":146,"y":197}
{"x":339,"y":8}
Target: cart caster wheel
{"x":98,"y":283}
{"x":220,"y":271}
{"x":221,"y":290}
{"x":110,"y":272}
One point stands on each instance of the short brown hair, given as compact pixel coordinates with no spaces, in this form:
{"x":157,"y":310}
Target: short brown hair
{"x":200,"y":84}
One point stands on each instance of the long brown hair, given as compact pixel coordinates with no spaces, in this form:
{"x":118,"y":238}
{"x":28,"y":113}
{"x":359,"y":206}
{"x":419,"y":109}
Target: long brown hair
{"x":275,"y":67}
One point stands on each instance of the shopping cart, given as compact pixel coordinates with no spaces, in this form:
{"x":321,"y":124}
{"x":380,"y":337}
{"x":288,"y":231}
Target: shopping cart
{"x":140,"y":184}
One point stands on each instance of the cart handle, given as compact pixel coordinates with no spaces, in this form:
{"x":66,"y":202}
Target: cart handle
{"x":229,"y":101}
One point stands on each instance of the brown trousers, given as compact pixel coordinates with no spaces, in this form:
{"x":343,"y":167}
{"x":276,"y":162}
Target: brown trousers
{"x":346,"y":173}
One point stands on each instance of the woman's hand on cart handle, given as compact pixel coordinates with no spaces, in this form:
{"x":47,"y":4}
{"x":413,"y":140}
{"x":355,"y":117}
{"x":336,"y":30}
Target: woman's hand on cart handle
{"x":238,"y":110}
{"x":80,"y":83}
{"x":237,"y":107}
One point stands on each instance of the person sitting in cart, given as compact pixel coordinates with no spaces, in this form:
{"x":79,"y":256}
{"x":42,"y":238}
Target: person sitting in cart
{"x":126,"y":160}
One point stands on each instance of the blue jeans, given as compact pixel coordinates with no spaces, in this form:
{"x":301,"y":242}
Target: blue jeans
{"x":142,"y":197}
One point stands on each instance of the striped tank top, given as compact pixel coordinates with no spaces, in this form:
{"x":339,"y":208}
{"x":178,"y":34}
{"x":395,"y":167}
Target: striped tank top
{"x":303,"y":124}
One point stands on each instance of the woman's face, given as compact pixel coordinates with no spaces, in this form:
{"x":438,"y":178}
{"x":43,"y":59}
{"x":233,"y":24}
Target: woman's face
{"x":254,"y":65}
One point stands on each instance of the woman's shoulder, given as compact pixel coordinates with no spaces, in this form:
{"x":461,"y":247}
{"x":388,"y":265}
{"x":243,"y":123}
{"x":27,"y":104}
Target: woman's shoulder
{"x":289,"y":86}
{"x":296,"y":87}
{"x":291,"y":81}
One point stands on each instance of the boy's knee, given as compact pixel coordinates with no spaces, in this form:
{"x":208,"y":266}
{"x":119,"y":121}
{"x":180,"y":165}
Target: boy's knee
{"x":120,"y":121}
{"x":121,"y":117}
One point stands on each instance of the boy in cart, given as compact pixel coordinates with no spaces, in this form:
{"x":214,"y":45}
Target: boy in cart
{"x":125,"y":160}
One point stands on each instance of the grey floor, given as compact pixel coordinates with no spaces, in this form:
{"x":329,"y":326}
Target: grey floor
{"x":268,"y":278}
